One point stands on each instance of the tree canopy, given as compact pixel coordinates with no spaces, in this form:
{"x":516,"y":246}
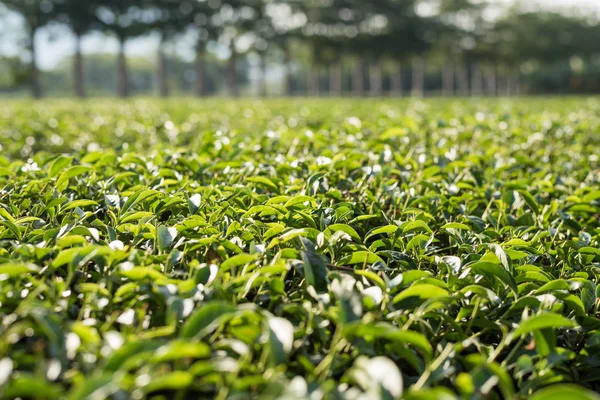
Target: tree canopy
{"x":457,"y":33}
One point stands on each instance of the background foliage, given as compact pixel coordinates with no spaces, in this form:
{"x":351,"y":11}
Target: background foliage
{"x":333,"y":47}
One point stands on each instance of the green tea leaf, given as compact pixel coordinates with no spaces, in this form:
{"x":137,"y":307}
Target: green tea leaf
{"x":205,"y":319}
{"x":542,"y":321}
{"x":564,"y":391}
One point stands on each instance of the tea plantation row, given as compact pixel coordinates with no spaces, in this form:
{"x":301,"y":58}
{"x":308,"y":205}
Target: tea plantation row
{"x":300,"y":249}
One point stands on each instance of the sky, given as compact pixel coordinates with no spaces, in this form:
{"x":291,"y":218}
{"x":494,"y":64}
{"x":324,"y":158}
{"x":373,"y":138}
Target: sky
{"x":55,"y":46}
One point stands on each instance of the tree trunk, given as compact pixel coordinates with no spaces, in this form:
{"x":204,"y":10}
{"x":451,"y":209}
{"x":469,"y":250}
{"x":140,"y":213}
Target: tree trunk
{"x":200,"y":87}
{"x":476,"y":81}
{"x":491,"y":81}
{"x":448,"y":80}
{"x":396,"y":80}
{"x":122,"y":73}
{"x":376,"y":79}
{"x":314,"y":84}
{"x":78,"y":79}
{"x":513,"y":82}
{"x":335,"y":79}
{"x":418,"y":77}
{"x":462,"y":80}
{"x":288,"y":83}
{"x":161,"y":73}
{"x":358,"y":83}
{"x":262,"y":84}
{"x":232,"y":86}
{"x":503,"y":85}
{"x":36,"y":87}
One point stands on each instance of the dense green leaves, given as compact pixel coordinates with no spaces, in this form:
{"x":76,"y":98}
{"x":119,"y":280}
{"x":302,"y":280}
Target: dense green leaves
{"x":543,"y":321}
{"x":424,"y":250}
{"x":12,"y":270}
{"x":315,"y":270}
{"x":206,"y":318}
{"x":416,"y":294}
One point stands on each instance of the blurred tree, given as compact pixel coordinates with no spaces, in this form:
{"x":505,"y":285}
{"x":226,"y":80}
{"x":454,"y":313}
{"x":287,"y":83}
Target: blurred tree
{"x":544,"y":38}
{"x":80,"y":17}
{"x":261,"y":33}
{"x":101,"y":80}
{"x":331,"y":31}
{"x":282,"y":32}
{"x":465,"y":43}
{"x":13,"y":73}
{"x":168,"y":24}
{"x":197,"y":17}
{"x":400,"y":33}
{"x":233,"y":24}
{"x":36,"y":14}
{"x":461,"y":26}
{"x":125,"y":20}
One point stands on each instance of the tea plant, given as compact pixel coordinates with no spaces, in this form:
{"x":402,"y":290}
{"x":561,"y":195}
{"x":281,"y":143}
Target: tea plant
{"x":300,"y":249}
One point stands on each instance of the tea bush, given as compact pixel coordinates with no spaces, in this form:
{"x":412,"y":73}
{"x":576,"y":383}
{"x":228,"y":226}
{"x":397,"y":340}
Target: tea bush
{"x":300,"y":249}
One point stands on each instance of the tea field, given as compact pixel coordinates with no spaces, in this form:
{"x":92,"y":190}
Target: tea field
{"x":293,"y":249}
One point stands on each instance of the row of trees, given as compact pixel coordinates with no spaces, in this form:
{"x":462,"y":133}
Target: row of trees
{"x":372,"y":40}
